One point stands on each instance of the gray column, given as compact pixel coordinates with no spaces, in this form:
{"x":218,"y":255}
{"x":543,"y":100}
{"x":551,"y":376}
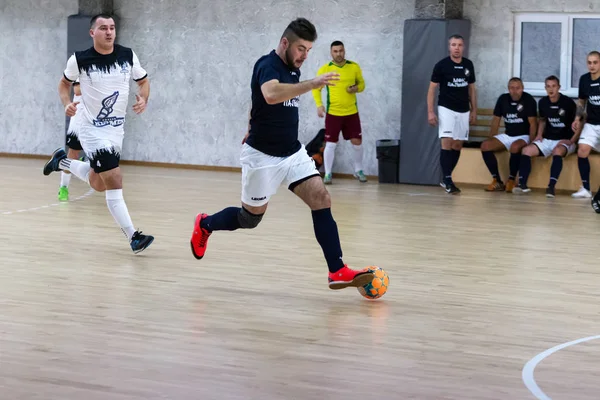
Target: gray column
{"x":442,"y":9}
{"x":93,"y":7}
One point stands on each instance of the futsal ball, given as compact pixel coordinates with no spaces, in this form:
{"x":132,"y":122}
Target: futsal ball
{"x":378,"y":285}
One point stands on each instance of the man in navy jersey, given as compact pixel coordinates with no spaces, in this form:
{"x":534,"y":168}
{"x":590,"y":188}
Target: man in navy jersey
{"x":555,"y":136}
{"x":588,"y":117}
{"x":457,"y":106}
{"x":272,"y":154}
{"x":519,"y":110}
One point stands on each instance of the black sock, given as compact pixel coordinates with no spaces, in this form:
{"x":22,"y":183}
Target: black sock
{"x":513,"y":163}
{"x":584,"y":171}
{"x":446,"y":163}
{"x":555,"y":168}
{"x":455,"y":158}
{"x":327,"y":235}
{"x":524,"y":170}
{"x":224,"y":220}
{"x":490,"y":160}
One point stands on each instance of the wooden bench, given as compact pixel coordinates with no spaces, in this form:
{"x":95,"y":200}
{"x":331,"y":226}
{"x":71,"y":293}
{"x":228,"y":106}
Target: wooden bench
{"x":472,"y":170}
{"x":480,"y":130}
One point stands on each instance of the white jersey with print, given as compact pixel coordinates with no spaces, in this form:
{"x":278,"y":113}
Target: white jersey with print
{"x":105,"y":81}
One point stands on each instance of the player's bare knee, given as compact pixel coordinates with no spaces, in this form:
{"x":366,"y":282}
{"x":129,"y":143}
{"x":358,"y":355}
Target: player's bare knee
{"x":249,"y":220}
{"x":322,"y":200}
{"x":112,"y":179}
{"x":457,"y":145}
{"x":96,"y":182}
{"x":530,"y":151}
{"x":98,"y":186}
{"x":583,"y":151}
{"x":516,"y":148}
{"x":446,"y":143}
{"x":486,"y":145}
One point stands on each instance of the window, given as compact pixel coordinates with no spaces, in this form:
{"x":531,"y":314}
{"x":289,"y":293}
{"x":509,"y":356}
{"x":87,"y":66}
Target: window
{"x":554,"y":44}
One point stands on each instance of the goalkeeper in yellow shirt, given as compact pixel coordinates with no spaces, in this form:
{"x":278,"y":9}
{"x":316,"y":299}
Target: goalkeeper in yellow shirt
{"x":342,"y":112}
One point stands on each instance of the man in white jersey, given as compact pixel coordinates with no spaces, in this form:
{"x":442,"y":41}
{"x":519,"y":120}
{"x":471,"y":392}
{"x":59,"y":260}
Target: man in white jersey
{"x":72,"y":143}
{"x":104,"y":72}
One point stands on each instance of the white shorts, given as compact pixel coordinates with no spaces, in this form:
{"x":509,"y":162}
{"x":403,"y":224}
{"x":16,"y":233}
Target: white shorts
{"x":262,"y":174}
{"x":546,"y":146}
{"x":453,"y":124}
{"x":94,"y":139}
{"x":101,"y":146}
{"x":590,"y":135}
{"x":507,"y":141}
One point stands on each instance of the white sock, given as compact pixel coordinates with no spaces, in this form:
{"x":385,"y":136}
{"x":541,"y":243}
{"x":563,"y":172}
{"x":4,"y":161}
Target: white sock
{"x":118,"y":209}
{"x":65,"y":179}
{"x":78,"y":168}
{"x":329,"y":156}
{"x":358,"y":157}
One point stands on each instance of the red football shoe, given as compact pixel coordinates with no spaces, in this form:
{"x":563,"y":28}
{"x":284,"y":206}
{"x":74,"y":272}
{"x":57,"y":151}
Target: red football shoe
{"x":348,"y":277}
{"x":199,"y":240}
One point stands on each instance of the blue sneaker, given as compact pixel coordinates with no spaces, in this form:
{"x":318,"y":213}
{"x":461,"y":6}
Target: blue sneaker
{"x":53,"y":164}
{"x":360,"y":176}
{"x":140,"y":242}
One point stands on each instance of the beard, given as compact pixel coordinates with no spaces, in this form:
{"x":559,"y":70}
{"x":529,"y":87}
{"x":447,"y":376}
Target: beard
{"x":289,"y":60}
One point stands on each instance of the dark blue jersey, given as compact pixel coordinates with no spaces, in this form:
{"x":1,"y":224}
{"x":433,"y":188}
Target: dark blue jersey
{"x":516,"y":113}
{"x":590,"y":90}
{"x":454,"y":79}
{"x":273,"y":127}
{"x":559,"y":117}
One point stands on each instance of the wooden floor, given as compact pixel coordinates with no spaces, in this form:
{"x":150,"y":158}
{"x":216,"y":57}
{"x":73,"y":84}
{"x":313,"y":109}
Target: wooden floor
{"x":479,"y":284}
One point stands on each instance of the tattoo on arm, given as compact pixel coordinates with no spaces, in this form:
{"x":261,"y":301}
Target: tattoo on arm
{"x":580,"y":110}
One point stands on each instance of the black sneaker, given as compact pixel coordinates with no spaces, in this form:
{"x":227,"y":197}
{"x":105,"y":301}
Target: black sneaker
{"x":596,"y":202}
{"x":53,"y":164}
{"x":550,"y":192}
{"x":139,"y":242}
{"x":450,"y":188}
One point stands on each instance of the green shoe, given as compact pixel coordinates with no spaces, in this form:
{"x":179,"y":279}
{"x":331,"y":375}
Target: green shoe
{"x":63,"y":193}
{"x":360,"y":176}
{"x":327,"y":179}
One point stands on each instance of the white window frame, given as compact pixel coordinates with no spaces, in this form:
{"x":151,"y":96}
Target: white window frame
{"x":566,"y":48}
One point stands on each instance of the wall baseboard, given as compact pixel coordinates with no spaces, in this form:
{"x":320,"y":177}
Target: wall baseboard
{"x":197,"y":167}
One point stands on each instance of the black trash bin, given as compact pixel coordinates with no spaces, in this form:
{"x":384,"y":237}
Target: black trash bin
{"x":388,"y":155}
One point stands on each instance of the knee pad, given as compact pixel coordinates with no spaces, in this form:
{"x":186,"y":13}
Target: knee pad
{"x":248,"y":220}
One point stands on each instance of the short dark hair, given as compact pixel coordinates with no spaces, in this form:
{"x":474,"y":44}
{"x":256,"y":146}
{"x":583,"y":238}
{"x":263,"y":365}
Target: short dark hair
{"x":456,"y":36}
{"x":300,"y":28}
{"x":552,"y":78}
{"x":594,"y":53}
{"x":515,"y":79}
{"x":336,"y":43}
{"x":95,"y":17}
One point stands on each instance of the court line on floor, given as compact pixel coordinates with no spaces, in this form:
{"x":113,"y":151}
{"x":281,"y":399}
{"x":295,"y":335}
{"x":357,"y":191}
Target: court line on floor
{"x":83,"y":196}
{"x":529,"y":368}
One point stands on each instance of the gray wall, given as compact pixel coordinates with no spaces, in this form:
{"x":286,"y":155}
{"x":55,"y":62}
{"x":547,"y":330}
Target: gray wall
{"x":200,"y":54}
{"x":492,"y":33}
{"x":33,"y":45}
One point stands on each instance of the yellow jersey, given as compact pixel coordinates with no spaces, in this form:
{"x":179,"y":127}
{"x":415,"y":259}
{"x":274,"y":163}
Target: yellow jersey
{"x":339,"y":101}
